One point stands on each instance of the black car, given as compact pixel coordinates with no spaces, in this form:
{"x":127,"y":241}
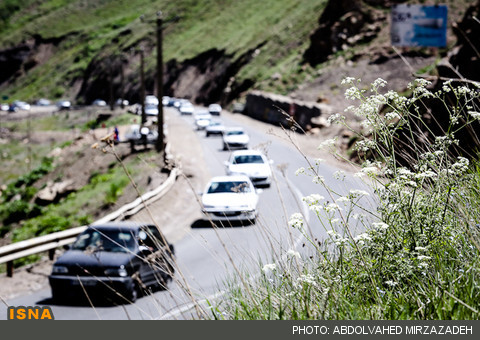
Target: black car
{"x":118,"y":259}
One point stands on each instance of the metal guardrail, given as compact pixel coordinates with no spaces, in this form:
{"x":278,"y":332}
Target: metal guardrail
{"x":50,"y":242}
{"x":37,"y":245}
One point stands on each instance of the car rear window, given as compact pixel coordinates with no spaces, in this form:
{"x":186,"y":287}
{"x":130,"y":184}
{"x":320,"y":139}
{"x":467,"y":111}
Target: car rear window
{"x":248,"y":159}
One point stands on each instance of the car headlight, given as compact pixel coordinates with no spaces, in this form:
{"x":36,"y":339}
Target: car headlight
{"x":208,"y":206}
{"x":59,"y":270}
{"x":121,"y":271}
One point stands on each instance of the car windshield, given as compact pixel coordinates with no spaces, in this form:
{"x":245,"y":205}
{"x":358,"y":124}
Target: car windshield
{"x":105,"y":240}
{"x":234,"y":133}
{"x":244,"y":159}
{"x":222,"y":187}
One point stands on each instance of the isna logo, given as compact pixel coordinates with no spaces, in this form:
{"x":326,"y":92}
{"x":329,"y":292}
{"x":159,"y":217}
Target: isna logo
{"x":30,"y":313}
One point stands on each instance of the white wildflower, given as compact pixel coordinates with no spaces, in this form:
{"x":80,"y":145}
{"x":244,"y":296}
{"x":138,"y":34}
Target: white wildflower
{"x":423,"y":265}
{"x":380,"y":225}
{"x":392,"y":116}
{"x":357,"y":193}
{"x":292,"y":253}
{"x":426,"y":174}
{"x":296,"y":220}
{"x":350,"y":108}
{"x":339,"y":174}
{"x":308,"y":279}
{"x":313,"y":199}
{"x":300,"y":171}
{"x":342,"y":199}
{"x":353,"y":93}
{"x":337,"y":238}
{"x":370,"y":170}
{"x":420,"y":248}
{"x":332,"y":207}
{"x":328,"y":143}
{"x":379,"y":82}
{"x":347,"y":80}
{"x":474,"y":114}
{"x":423,"y":257}
{"x":391,"y":283}
{"x":269,"y":268}
{"x":335,"y":118}
{"x":360,"y":239}
{"x":359,"y":174}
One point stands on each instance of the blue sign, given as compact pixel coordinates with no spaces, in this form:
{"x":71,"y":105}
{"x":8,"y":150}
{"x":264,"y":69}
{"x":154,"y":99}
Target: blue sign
{"x":418,"y":25}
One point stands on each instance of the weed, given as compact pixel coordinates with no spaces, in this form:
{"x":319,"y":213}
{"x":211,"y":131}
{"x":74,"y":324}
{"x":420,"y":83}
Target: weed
{"x":417,"y":255}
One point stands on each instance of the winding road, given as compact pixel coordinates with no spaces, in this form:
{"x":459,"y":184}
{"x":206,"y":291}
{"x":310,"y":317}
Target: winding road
{"x":208,"y":258}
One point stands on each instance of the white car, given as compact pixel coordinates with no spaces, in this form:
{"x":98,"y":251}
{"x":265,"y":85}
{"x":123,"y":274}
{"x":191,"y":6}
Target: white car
{"x":250,"y":163}
{"x":214,"y":128}
{"x":186,"y":108}
{"x":230,"y":198}
{"x":136,"y":134}
{"x":99,"y":102}
{"x":151,"y":99}
{"x":215,"y":109}
{"x":64,"y":105}
{"x":21,"y":105}
{"x":235,"y":138}
{"x":151,"y":110}
{"x":202,"y":120}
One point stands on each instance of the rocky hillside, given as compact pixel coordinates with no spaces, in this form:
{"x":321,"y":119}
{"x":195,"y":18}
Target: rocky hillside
{"x":213,"y":50}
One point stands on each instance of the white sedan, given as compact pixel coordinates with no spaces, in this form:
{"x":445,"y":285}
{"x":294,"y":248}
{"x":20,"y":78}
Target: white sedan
{"x":214,"y":128}
{"x":202,"y":120}
{"x":230,"y":198}
{"x":250,"y":163}
{"x":235,"y":138}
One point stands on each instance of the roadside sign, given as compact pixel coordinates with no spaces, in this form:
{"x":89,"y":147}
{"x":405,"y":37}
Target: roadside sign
{"x":419,"y":25}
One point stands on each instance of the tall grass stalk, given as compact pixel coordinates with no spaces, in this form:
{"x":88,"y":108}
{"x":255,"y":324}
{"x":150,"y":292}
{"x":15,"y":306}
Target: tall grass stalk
{"x":417,"y":256}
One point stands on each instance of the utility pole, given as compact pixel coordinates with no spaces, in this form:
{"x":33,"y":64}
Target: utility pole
{"x":142,"y":86}
{"x":111,"y":100}
{"x":160,"y":145}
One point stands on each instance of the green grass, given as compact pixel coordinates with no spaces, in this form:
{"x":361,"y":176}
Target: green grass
{"x":18,"y":157}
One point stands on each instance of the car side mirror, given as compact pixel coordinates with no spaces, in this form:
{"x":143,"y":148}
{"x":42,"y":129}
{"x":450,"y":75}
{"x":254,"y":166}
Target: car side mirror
{"x":258,"y":191}
{"x":226,"y":163}
{"x":270,"y":161}
{"x":144,"y":250}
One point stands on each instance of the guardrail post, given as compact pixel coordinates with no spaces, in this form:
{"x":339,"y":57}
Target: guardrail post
{"x":10,"y":268}
{"x":51,"y":254}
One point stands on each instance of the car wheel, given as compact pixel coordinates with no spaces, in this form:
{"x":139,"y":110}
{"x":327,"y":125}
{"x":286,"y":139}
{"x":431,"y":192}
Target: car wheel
{"x":58,"y":296}
{"x":207,"y":134}
{"x":133,"y":293}
{"x":224,"y":147}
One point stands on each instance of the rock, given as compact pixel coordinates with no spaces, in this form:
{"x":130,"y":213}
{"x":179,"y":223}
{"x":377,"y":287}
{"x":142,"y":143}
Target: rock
{"x":54,"y":191}
{"x":320,"y":122}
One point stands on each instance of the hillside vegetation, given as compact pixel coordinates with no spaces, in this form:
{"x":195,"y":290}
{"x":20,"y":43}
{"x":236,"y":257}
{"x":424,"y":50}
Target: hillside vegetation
{"x":213,"y":50}
{"x":70,"y":35}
